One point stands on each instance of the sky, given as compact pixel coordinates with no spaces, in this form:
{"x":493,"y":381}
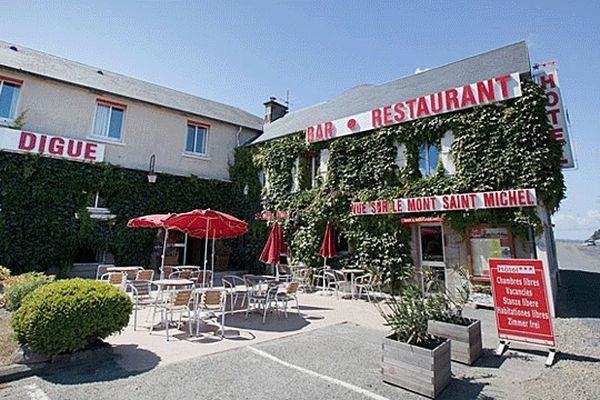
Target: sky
{"x":242,"y":52}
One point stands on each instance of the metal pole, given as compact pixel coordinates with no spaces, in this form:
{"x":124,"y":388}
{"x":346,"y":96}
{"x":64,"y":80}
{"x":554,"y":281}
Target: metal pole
{"x":164,"y":250}
{"x":212,"y":262}
{"x":205,"y":252}
{"x":185,"y":242}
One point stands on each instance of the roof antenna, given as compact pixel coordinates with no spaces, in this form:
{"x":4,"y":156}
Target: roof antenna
{"x":287,"y":99}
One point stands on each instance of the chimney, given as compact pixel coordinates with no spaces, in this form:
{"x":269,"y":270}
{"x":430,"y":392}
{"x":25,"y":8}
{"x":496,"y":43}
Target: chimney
{"x":274,"y":110}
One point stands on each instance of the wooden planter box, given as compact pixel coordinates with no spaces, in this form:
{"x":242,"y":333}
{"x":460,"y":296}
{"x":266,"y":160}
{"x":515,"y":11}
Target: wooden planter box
{"x":466,"y":340}
{"x":417,"y":369}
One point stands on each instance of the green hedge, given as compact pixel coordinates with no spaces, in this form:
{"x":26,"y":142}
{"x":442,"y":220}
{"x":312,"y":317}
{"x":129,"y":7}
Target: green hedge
{"x":24,"y":285}
{"x":64,"y":316}
{"x":44,"y":221}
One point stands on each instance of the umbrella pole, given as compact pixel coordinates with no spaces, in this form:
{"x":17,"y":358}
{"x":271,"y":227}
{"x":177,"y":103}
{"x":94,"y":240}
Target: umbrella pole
{"x":212,"y":262}
{"x":164,"y":249}
{"x":205,"y":254}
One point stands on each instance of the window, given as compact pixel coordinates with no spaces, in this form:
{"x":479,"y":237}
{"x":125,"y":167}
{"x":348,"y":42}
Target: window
{"x":315,"y":168}
{"x":196,"y":139}
{"x":9,"y":95}
{"x":109,"y":120}
{"x":428,"y":159}
{"x":96,"y":202}
{"x":295,"y":180}
{"x":262,"y":178}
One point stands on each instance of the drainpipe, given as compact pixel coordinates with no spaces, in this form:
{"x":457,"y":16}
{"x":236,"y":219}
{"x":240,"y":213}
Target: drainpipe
{"x":237,"y":136}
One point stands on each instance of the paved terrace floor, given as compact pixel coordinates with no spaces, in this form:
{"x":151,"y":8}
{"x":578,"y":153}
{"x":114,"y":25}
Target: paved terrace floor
{"x":316,"y":311}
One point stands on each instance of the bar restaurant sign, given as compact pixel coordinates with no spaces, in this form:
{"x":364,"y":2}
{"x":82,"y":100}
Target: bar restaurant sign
{"x":448,"y":202}
{"x":49,"y":145}
{"x":488,"y":91}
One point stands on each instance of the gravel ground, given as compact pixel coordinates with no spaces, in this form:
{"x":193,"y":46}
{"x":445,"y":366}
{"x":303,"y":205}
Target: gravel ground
{"x":7,"y":344}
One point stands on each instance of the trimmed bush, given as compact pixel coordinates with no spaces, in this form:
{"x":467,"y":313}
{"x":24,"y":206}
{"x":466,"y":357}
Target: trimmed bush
{"x":64,"y":316}
{"x":22,"y":285}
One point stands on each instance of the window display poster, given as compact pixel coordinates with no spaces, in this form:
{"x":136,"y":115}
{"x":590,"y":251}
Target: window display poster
{"x":486,"y":243}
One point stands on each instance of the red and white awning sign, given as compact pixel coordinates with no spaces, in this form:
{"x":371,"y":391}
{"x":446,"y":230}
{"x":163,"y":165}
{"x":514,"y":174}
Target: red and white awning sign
{"x":546,"y":75}
{"x":50,"y":145}
{"x":521,"y":301}
{"x":449,"y":202}
{"x":487,"y":91}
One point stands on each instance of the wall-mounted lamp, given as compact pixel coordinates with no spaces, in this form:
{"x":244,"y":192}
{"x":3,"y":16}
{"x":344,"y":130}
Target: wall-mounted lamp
{"x":151,"y":174}
{"x":246,"y":190}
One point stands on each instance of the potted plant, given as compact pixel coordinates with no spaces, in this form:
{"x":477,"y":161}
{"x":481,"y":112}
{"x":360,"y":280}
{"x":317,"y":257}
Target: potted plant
{"x":412,"y":358}
{"x":465,"y":333}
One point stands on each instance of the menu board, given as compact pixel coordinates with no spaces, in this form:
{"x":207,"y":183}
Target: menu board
{"x":486,"y":243}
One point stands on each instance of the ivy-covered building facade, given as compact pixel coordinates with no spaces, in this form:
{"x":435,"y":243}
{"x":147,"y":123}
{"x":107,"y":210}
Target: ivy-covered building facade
{"x":446,"y":167}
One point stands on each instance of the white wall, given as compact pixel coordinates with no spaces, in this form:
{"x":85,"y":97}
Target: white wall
{"x":67,"y":110}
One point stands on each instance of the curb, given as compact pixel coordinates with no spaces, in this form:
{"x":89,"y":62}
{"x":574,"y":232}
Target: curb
{"x":14,"y":372}
{"x":20,"y":371}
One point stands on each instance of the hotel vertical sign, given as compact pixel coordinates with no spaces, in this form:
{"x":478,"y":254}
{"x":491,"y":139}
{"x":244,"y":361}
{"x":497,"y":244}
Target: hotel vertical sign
{"x":546,"y":75}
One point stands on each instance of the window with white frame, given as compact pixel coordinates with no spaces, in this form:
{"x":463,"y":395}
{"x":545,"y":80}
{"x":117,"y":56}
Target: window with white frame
{"x":428,"y":158}
{"x":313,"y":162}
{"x":196,"y":141}
{"x":9,"y":96}
{"x":109,"y":120}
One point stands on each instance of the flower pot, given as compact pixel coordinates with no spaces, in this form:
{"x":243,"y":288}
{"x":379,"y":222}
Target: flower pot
{"x":418,"y":369}
{"x":466,"y":339}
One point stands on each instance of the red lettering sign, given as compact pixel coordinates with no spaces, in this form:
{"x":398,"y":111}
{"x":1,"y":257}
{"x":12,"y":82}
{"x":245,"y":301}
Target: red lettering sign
{"x":521,"y":301}
{"x":50,"y":145}
{"x":474,"y":94}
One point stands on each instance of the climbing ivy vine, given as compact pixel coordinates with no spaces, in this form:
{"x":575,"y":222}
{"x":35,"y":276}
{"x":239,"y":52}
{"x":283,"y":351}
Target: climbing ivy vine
{"x":499,"y":146}
{"x":44,"y":219}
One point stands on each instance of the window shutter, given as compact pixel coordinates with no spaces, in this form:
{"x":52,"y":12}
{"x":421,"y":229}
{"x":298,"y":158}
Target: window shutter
{"x":401,"y":155}
{"x":324,"y":160}
{"x":446,"y":156}
{"x":295,"y":180}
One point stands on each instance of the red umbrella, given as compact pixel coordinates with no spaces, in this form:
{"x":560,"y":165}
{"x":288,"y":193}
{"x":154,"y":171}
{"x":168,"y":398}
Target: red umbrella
{"x":148,"y":221}
{"x":328,"y":245}
{"x":207,"y":223}
{"x":274,"y":247}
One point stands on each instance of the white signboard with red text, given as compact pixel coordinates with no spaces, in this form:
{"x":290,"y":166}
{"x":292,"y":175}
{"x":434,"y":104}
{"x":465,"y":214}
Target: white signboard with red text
{"x":449,"y":202}
{"x":546,"y":75}
{"x":521,"y":301}
{"x":50,"y":145}
{"x":475,"y":94}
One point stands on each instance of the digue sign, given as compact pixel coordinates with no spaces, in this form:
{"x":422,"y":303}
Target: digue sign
{"x":449,"y":202}
{"x":49,"y":145}
{"x":475,"y":94}
{"x":546,"y":76}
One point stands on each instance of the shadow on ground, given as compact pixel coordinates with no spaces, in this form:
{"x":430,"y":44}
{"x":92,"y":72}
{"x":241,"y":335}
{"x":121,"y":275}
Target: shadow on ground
{"x":274,"y":322}
{"x":578,"y":295}
{"x":126,"y":361}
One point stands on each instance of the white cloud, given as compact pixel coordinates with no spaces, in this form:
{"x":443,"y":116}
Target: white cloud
{"x":419,"y":70}
{"x":577,"y":225}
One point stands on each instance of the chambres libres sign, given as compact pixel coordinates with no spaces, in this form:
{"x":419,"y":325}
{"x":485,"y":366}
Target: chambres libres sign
{"x":487,"y":91}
